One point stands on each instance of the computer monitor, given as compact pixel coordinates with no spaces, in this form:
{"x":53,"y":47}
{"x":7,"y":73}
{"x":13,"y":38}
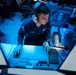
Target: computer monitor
{"x":3,"y":61}
{"x":69,"y":64}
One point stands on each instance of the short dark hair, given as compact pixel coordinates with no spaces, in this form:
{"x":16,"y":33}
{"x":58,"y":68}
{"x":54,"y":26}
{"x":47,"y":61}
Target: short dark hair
{"x":41,"y":7}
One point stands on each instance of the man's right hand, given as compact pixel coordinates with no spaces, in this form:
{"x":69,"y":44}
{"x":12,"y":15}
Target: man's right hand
{"x":17,"y":51}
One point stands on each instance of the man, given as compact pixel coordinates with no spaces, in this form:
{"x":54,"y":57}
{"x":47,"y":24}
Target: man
{"x":36,"y":30}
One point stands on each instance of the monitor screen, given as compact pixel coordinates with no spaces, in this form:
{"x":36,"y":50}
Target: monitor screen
{"x":3,"y":62}
{"x":69,"y":65}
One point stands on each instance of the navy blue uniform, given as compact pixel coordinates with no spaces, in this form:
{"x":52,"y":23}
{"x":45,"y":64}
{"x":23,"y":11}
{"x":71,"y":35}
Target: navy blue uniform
{"x":33,"y":35}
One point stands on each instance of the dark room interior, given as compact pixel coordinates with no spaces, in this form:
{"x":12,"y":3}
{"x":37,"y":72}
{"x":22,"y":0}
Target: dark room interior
{"x":36,"y":59}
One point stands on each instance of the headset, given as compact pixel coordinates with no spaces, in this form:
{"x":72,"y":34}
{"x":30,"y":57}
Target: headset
{"x":38,"y":5}
{"x":38,"y":8}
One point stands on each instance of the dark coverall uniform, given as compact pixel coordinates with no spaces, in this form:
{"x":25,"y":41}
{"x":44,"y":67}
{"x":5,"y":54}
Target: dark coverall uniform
{"x":33,"y":35}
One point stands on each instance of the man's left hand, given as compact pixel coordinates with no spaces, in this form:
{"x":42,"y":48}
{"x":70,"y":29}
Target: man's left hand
{"x":46,"y":45}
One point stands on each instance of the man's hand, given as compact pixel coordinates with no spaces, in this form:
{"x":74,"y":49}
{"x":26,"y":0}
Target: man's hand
{"x":46,"y":45}
{"x":17,"y":51}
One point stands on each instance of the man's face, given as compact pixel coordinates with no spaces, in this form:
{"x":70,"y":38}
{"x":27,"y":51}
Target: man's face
{"x":43,"y":18}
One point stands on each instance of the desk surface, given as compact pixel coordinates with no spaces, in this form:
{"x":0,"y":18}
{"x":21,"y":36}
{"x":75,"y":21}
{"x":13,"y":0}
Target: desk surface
{"x":31,"y":54}
{"x":28,"y":51}
{"x":33,"y":72}
{"x":16,"y":71}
